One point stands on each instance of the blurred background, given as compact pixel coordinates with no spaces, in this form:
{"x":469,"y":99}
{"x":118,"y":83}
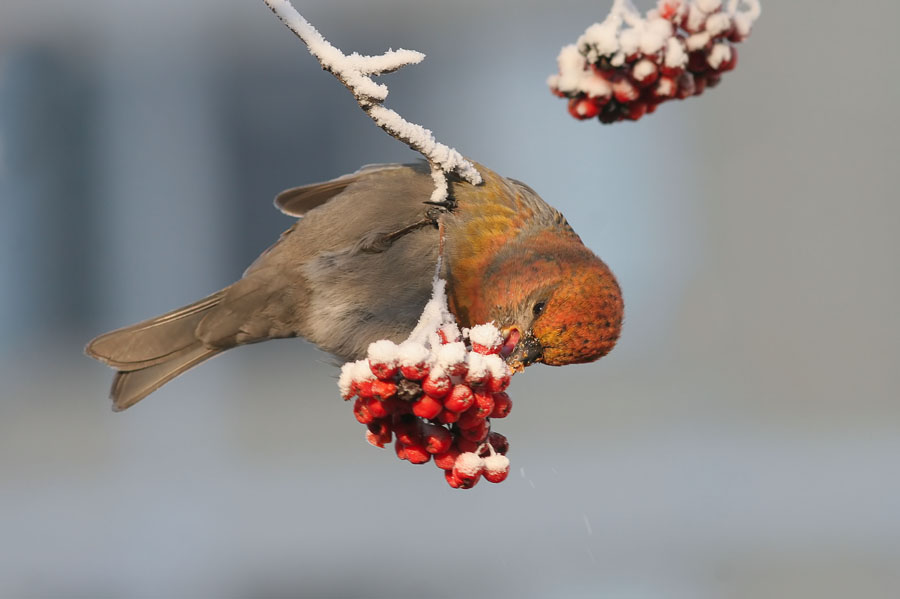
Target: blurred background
{"x":741,"y":441}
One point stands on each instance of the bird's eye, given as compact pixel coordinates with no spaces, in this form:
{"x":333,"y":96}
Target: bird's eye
{"x":539,"y":308}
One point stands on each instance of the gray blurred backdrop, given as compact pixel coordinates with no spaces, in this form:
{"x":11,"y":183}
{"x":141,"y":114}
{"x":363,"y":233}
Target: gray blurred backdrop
{"x":741,"y":441}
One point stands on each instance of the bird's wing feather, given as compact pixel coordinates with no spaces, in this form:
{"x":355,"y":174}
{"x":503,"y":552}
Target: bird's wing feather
{"x":298,"y":201}
{"x":339,"y":264}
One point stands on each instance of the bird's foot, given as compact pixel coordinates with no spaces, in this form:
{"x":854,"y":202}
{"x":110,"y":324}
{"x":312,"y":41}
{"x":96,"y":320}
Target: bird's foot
{"x":448,"y":205}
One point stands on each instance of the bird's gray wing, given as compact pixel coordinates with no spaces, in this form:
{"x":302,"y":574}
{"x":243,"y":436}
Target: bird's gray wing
{"x":356,"y":268}
{"x":298,"y":201}
{"x":362,"y":207}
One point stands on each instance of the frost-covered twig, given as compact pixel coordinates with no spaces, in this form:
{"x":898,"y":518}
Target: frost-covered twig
{"x":355,"y":71}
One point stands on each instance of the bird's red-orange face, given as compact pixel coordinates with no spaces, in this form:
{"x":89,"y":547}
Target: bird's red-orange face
{"x":582,"y":319}
{"x":557,"y":309}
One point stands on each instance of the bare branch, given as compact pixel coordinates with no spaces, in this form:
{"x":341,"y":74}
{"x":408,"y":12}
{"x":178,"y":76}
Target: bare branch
{"x":355,"y":71}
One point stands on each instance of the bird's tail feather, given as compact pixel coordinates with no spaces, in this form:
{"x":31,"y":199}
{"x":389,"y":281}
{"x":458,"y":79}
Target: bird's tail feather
{"x":153,"y":352}
{"x":152,"y":341}
{"x":131,"y":386}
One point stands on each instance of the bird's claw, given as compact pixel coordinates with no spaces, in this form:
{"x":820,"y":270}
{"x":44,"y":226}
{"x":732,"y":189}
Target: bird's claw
{"x":434,"y":214}
{"x":447,"y":205}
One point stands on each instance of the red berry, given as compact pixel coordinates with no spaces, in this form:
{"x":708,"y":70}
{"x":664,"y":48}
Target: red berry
{"x":459,"y":399}
{"x":468,"y":483}
{"x":668,"y":9}
{"x":731,"y":63}
{"x":686,"y":86}
{"x":399,"y":407}
{"x":449,"y":333}
{"x":668,"y":71}
{"x":465,"y":445}
{"x":699,"y":83}
{"x":636,"y":110}
{"x":394,"y":405}
{"x":406,"y":427}
{"x":361,"y":411}
{"x":697,"y":61}
{"x":611,"y":116}
{"x":468,"y":468}
{"x":477,"y":432}
{"x":456,"y":369}
{"x":416,"y":453}
{"x":380,"y":436}
{"x":427,"y":407}
{"x":364,"y":387}
{"x":485,"y":339}
{"x":645,"y":73}
{"x":383,"y":370}
{"x":736,"y":36}
{"x":452,"y":480}
{"x":484,"y":401}
{"x":583,"y":108}
{"x":665,"y":88}
{"x":377,"y":408}
{"x":485,"y":350}
{"x":384,"y":389}
{"x":436,"y":386}
{"x":502,"y":405}
{"x":446,"y":460}
{"x":496,"y":384}
{"x":624,"y":91}
{"x":498,"y":442}
{"x":600,"y":70}
{"x":378,"y":425}
{"x":479,"y":369}
{"x":448,"y":417}
{"x":400,"y":449}
{"x":452,"y":358}
{"x":373,"y":439}
{"x":437,"y":438}
{"x":470,"y":417}
{"x":416,"y":372}
{"x":352,"y":391}
{"x":496,"y":468}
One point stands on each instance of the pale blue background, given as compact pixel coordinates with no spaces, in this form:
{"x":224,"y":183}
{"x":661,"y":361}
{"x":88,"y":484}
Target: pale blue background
{"x":741,"y":441}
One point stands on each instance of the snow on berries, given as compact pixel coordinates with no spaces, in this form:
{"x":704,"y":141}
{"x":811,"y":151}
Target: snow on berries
{"x":626,"y":66}
{"x":435,"y":394}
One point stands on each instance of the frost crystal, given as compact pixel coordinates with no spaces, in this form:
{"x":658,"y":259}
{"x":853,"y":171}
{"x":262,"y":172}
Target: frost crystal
{"x":486,"y":335}
{"x":383,"y":351}
{"x":411,"y":353}
{"x":451,"y":354}
{"x":353,"y":372}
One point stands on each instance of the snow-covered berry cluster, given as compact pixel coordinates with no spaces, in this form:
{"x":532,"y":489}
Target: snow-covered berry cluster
{"x":435,"y":394}
{"x":624,"y":67}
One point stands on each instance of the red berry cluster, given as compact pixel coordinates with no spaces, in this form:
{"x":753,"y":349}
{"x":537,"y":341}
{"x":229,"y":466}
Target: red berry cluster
{"x":677,"y":51}
{"x":436,"y":402}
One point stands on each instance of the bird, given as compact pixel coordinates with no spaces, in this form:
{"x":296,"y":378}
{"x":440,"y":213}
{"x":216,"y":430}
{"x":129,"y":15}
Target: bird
{"x":358,"y":264}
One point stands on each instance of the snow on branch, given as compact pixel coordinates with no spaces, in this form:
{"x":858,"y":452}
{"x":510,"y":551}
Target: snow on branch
{"x":355,"y":71}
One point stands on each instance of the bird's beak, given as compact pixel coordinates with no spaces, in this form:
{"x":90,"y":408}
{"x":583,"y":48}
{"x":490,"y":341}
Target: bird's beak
{"x":522,"y":350}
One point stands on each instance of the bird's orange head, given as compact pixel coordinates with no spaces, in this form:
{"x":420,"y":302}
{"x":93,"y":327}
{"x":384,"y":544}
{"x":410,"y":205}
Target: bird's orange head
{"x":582,"y":317}
{"x":555,"y":301}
